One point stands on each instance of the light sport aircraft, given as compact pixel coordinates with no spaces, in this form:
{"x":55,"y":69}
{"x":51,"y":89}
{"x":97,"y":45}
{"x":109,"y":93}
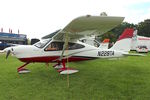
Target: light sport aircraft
{"x":64,"y":45}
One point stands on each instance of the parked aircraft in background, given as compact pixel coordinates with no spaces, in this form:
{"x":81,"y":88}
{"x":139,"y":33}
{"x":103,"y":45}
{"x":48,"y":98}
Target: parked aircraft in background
{"x":140,"y":41}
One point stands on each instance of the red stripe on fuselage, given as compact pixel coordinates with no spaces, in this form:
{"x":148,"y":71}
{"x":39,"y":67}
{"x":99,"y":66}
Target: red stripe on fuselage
{"x":52,"y":59}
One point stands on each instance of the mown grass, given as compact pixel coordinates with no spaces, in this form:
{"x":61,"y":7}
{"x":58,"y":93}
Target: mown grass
{"x":124,"y":79}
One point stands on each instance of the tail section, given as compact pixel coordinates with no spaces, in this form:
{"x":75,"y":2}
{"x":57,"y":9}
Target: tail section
{"x":124,"y":41}
{"x":104,"y":44}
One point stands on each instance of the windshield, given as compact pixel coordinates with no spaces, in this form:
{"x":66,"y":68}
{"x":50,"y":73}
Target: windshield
{"x":50,"y":35}
{"x":42,"y":43}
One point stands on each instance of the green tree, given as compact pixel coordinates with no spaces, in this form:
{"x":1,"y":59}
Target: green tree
{"x":117,"y":31}
{"x":144,"y":28}
{"x":109,"y":35}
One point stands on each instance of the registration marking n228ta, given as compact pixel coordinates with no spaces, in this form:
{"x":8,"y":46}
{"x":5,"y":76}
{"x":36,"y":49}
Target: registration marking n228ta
{"x":105,"y":53}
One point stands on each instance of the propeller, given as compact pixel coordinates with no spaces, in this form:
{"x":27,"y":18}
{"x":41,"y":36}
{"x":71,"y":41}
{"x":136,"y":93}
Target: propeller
{"x":8,"y":52}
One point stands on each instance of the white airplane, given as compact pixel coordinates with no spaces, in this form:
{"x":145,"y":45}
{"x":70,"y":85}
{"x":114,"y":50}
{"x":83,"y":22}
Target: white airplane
{"x":64,"y":45}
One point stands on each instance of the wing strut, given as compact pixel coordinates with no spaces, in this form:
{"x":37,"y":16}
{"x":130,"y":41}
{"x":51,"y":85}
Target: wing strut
{"x":66,"y":39}
{"x":61,"y":66}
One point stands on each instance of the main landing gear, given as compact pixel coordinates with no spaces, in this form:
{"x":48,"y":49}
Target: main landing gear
{"x":61,"y":68}
{"x":22,"y":70}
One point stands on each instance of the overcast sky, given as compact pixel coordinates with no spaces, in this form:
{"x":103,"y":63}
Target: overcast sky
{"x":37,"y":18}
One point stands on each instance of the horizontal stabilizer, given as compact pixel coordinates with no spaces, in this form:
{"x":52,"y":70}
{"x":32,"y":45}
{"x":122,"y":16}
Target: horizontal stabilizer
{"x":134,"y":54}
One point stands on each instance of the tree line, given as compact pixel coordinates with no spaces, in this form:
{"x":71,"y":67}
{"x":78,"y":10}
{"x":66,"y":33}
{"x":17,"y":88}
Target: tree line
{"x":142,"y":27}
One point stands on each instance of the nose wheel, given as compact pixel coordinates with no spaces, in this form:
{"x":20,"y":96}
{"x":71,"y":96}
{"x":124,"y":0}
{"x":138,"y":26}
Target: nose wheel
{"x":22,"y":70}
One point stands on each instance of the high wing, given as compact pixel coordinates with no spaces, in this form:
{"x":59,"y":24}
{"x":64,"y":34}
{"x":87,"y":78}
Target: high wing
{"x":88,"y":25}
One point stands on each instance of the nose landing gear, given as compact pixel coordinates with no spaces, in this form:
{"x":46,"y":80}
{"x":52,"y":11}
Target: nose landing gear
{"x":22,"y":70}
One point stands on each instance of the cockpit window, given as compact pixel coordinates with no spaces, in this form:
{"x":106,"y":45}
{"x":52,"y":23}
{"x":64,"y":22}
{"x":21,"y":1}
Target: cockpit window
{"x":73,"y":46}
{"x":50,"y":35}
{"x":42,"y":43}
{"x":57,"y":46}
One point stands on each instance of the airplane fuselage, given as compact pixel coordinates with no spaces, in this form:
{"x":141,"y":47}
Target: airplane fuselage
{"x":82,"y":51}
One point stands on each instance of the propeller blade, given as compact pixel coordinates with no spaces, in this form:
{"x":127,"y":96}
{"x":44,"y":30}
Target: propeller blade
{"x":8,"y":52}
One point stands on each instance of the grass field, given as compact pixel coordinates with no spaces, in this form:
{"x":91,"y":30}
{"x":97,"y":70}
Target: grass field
{"x":101,"y":79}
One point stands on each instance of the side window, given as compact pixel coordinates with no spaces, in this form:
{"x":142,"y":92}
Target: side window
{"x":57,"y":46}
{"x":54,"y":46}
{"x":73,"y":46}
